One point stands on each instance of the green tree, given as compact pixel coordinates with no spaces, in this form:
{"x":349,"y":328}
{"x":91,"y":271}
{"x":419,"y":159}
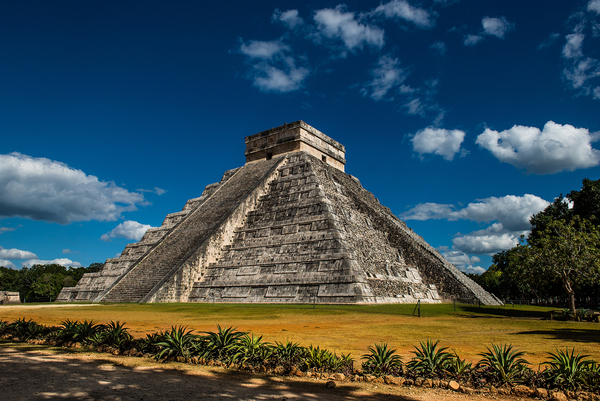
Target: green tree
{"x":586,"y":201}
{"x":42,"y":280}
{"x":567,"y":251}
{"x":559,"y":209}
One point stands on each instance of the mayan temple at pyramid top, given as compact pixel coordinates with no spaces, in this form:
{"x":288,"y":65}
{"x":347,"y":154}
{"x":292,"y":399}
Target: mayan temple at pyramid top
{"x":295,"y":137}
{"x":289,"y":226}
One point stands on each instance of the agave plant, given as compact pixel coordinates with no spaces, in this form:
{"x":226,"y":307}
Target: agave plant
{"x":504,"y":363}
{"x":3,"y":327}
{"x":25,"y":329}
{"x":319,"y":359}
{"x":592,"y":376}
{"x":115,"y":334}
{"x":343,"y":363}
{"x":176,"y":343}
{"x":568,"y":370}
{"x":67,"y":330}
{"x":252,"y":350}
{"x":148,"y":344}
{"x":288,"y":354}
{"x":382,"y":360}
{"x":459,"y":369}
{"x":222,"y":344}
{"x":429,"y":360}
{"x":83,"y":332}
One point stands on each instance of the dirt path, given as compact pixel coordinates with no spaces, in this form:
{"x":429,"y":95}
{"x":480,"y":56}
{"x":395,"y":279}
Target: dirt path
{"x":34,"y":373}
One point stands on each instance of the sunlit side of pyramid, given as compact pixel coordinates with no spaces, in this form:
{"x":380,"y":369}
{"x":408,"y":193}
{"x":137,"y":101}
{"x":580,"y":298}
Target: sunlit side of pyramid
{"x":288,"y":227}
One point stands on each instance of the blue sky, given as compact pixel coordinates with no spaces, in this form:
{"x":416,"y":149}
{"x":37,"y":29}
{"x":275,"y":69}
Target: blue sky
{"x":463,"y":117}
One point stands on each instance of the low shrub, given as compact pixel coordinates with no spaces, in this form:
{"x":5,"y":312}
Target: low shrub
{"x":499,"y":365}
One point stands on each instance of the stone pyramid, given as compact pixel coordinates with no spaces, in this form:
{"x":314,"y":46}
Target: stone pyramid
{"x":288,"y":227}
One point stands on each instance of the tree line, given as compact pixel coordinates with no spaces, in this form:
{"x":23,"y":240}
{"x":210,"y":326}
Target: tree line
{"x":42,"y":281}
{"x":559,"y":258}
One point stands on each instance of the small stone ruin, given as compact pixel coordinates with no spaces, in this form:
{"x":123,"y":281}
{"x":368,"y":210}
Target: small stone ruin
{"x":287,"y":227}
{"x":7,"y":297}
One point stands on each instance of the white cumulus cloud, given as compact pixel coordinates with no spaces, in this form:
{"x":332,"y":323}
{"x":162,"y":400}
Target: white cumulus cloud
{"x":8,"y":264}
{"x":512,"y":212}
{"x":497,"y":27}
{"x":340,"y":24}
{"x":463,"y":262}
{"x":439,"y":141}
{"x":60,"y":261}
{"x":43,"y":189}
{"x":553,"y":149}
{"x":386,"y":76}
{"x":291,"y":18}
{"x":16,"y":254}
{"x":485,"y":244}
{"x":402,"y":9}
{"x":128,"y":229}
{"x":509,"y":216}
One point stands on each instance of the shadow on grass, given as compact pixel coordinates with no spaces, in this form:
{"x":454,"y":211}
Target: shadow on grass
{"x":38,"y":376}
{"x":575,"y":335}
{"x":505,"y":311}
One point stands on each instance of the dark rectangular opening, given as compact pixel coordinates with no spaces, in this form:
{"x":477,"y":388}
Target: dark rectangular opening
{"x":324,"y":158}
{"x":269,"y":155}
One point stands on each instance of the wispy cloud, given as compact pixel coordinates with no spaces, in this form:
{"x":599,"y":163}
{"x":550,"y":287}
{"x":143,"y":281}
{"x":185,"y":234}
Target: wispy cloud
{"x":580,"y":69}
{"x":472,"y":40}
{"x":158,"y":191}
{"x":290,"y":18}
{"x":439,"y":47}
{"x":552,"y":39}
{"x":273,"y":69}
{"x":491,"y":26}
{"x":594,"y":6}
{"x":403,"y":10}
{"x":386,"y":76}
{"x":340,"y":25}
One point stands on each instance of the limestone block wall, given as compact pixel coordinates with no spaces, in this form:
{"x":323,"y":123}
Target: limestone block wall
{"x":287,"y":250}
{"x":177,"y":285}
{"x":92,"y":285}
{"x":388,"y":276}
{"x":158,"y":267}
{"x":434,"y":269}
{"x":8,"y":297}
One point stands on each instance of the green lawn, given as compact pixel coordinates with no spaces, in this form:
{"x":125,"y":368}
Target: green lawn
{"x":348,"y":328}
